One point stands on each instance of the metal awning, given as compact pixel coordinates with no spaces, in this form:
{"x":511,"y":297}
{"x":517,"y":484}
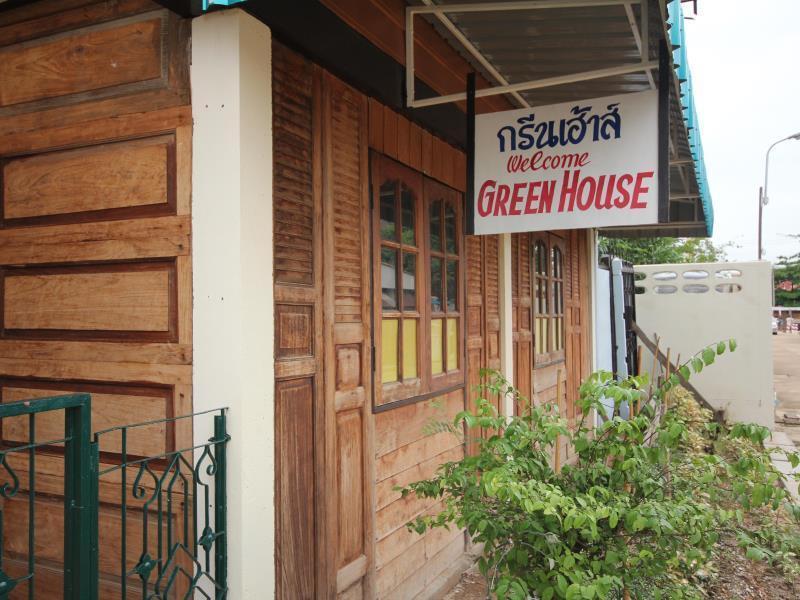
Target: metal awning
{"x":539,"y":52}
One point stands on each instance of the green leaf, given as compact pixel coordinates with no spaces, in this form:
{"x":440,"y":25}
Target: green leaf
{"x":794,"y":459}
{"x":732,"y":344}
{"x":697,"y":364}
{"x":754,"y":553}
{"x":708,"y":356}
{"x":573,"y":591}
{"x":721,"y":348}
{"x":685,"y":372}
{"x":588,"y":591}
{"x":561,"y":584}
{"x":613,"y":519}
{"x":547,"y":594}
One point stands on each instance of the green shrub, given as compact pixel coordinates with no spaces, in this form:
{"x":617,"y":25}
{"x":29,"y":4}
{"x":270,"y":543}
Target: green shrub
{"x":637,"y":513}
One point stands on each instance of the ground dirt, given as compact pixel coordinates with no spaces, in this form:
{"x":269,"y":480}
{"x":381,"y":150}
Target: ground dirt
{"x":786,"y":368}
{"x":471,"y":587}
{"x":736,"y":578}
{"x":739,"y":578}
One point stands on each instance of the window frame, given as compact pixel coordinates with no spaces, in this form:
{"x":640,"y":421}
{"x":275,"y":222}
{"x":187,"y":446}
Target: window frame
{"x":426,"y":385}
{"x":555,"y":310}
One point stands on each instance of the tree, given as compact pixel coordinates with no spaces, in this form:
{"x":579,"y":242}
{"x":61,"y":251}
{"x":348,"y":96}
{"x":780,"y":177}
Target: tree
{"x":787,"y":268}
{"x":663,"y":250}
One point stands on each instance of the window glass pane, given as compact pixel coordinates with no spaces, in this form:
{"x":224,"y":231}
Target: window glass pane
{"x":436,"y":225}
{"x":389,"y":350}
{"x":436,"y":346}
{"x":558,"y":297}
{"x":556,"y":254}
{"x":436,"y":285}
{"x":540,"y":258}
{"x":538,"y":306}
{"x":542,"y":335}
{"x":409,"y":348}
{"x":450,"y":227}
{"x":452,"y":344}
{"x":407,"y":208}
{"x":388,"y":212}
{"x":543,"y":299}
{"x":538,"y":336}
{"x":558,"y":324}
{"x":389,"y":279}
{"x":409,"y":281}
{"x":452,"y":285}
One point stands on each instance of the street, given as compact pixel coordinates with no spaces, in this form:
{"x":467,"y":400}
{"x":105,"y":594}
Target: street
{"x":786,"y":356}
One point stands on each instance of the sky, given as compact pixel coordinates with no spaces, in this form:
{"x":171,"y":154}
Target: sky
{"x":745,"y":62}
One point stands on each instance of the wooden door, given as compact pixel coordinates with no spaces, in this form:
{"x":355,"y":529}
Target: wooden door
{"x":95,"y":264}
{"x":521,"y":315}
{"x":482,"y":316}
{"x":577,"y":299}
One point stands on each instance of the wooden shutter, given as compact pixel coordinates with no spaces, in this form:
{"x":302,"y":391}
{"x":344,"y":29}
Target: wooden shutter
{"x":576,"y":300}
{"x":522,"y":322}
{"x":346,"y":328}
{"x":298,"y":414}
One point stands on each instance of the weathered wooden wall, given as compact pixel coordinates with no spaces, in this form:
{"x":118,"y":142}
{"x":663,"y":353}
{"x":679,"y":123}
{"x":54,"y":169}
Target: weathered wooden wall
{"x":323,"y":364}
{"x":407,"y":564}
{"x":351,"y":539}
{"x":95,"y":264}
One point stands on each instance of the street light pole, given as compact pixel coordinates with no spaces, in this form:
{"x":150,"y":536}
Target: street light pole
{"x":762,"y":191}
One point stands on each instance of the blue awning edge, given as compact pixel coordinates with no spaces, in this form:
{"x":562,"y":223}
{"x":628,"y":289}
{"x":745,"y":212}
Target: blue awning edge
{"x":677,"y":40}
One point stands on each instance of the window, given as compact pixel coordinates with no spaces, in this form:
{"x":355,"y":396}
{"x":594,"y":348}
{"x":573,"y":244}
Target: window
{"x":417,"y":274}
{"x":548,"y":300}
{"x":398,"y":277}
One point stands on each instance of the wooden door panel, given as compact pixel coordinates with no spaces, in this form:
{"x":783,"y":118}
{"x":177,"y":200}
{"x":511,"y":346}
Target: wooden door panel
{"x":96,"y":58}
{"x":112,"y":406}
{"x":105,"y":177}
{"x":95,"y":265}
{"x":93,"y":301}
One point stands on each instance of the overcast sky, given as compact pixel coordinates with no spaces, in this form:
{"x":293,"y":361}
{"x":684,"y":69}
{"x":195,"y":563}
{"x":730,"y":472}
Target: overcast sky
{"x":745,"y":61}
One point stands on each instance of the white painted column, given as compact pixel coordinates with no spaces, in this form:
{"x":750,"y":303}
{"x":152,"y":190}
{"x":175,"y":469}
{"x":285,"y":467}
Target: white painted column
{"x":232,"y":276}
{"x":506,"y":317}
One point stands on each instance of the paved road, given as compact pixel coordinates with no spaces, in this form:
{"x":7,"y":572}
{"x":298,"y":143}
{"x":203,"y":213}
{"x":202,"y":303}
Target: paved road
{"x":786,"y":357}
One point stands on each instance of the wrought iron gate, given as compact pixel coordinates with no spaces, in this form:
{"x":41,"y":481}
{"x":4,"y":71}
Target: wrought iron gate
{"x":179,"y":496}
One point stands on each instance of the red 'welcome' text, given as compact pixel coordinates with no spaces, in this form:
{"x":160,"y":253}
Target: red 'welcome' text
{"x":538,"y":161}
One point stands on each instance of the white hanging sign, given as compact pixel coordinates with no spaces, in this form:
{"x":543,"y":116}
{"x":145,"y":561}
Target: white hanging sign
{"x":575,"y":165}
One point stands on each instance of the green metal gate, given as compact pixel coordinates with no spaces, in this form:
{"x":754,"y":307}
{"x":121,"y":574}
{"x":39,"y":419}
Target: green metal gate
{"x":181,"y":493}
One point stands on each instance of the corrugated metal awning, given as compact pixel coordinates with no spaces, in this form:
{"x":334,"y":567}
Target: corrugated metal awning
{"x":549,"y":51}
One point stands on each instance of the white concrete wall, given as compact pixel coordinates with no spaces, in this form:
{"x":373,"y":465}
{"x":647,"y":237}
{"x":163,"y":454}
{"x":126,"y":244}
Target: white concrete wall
{"x":232,"y":276}
{"x":739,"y":383}
{"x":604,"y":360}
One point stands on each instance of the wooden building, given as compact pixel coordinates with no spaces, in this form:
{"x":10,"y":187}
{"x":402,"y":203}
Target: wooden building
{"x":239,"y":208}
